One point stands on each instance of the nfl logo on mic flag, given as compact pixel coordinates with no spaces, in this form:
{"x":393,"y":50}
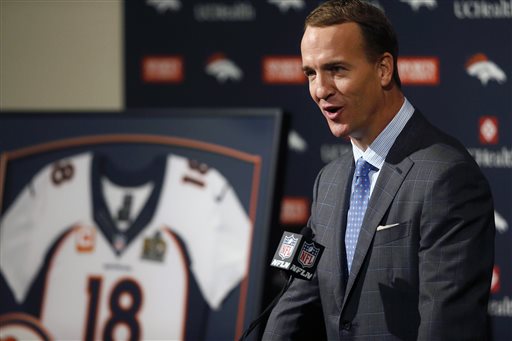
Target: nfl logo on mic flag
{"x":297,"y":255}
{"x":308,"y":254}
{"x":287,"y":246}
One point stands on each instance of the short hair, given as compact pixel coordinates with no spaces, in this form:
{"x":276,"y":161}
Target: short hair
{"x":378,"y":33}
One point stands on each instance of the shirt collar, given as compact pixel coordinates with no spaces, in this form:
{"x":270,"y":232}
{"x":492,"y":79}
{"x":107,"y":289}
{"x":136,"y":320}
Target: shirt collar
{"x":376,"y":153}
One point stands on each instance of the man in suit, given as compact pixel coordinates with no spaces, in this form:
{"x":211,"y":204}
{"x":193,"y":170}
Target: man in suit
{"x":406,"y":217}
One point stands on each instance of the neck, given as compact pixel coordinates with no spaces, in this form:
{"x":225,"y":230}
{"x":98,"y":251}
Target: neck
{"x":391,"y":104}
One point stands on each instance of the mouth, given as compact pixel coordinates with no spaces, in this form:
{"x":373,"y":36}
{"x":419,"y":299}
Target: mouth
{"x":332,"y":111}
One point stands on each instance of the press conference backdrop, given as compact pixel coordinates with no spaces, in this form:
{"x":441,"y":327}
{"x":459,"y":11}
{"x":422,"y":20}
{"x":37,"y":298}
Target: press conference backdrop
{"x":455,"y":64}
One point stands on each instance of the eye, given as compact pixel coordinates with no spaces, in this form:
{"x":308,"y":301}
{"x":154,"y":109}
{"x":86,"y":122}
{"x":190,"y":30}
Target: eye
{"x":309,"y":74}
{"x":336,"y":69}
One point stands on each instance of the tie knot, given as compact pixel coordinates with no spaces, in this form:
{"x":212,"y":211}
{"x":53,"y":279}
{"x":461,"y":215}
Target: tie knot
{"x":363,"y":167}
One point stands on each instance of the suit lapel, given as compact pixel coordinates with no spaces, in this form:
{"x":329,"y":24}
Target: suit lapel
{"x":344,"y":178}
{"x":388,"y":183}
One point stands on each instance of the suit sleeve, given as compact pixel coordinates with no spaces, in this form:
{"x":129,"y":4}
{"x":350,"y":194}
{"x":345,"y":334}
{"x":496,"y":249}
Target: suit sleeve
{"x":456,"y":255}
{"x":299,"y":308}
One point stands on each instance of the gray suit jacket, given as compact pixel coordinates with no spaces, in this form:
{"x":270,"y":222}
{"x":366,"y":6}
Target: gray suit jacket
{"x":423,"y":261}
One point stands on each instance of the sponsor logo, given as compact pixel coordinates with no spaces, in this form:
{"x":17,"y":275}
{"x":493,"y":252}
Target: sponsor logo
{"x":117,"y":267}
{"x":487,"y":158}
{"x":163,"y":6}
{"x":286,"y":249}
{"x":500,"y":222}
{"x":488,"y":130}
{"x":472,"y":9}
{"x":85,"y":239}
{"x":419,"y":70}
{"x":296,"y":142}
{"x":485,"y":70}
{"x":495,"y":281}
{"x":162,"y":69}
{"x":283,"y":70}
{"x":238,"y":11}
{"x":285,"y":5}
{"x":294,"y":211}
{"x":501,"y":308}
{"x":417,"y":4}
{"x":223,"y":69}
{"x":308,"y":254}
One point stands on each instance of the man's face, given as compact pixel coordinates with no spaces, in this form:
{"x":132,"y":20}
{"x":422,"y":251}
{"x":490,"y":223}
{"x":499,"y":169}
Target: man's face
{"x":342,"y":81}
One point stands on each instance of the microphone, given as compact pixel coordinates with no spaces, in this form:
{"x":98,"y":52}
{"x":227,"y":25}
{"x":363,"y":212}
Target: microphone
{"x":299,"y":256}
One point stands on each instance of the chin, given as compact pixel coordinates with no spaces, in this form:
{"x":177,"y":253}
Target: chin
{"x":339,"y":132}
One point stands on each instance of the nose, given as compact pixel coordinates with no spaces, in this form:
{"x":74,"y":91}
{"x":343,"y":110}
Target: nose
{"x":323,"y":88}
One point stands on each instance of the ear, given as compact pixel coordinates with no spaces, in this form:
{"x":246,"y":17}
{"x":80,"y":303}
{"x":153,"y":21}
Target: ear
{"x":385,"y":67}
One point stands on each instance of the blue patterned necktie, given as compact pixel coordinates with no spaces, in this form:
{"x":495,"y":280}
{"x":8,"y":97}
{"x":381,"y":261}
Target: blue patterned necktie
{"x":358,"y":204}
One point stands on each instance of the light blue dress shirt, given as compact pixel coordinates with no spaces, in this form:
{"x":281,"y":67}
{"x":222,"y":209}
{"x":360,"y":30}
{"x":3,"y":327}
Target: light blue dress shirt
{"x":376,"y":153}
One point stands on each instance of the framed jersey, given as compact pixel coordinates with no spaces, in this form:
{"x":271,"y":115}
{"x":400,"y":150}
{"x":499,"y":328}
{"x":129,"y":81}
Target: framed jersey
{"x":149,"y":224}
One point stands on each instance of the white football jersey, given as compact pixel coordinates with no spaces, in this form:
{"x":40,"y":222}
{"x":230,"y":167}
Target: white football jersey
{"x":118,"y":249}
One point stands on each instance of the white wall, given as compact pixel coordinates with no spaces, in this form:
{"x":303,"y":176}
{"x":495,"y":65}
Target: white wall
{"x":61,"y":55}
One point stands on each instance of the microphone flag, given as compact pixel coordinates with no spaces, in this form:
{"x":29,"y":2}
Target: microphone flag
{"x":298,"y":255}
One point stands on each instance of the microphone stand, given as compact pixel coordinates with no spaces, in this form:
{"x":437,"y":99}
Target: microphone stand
{"x":267,"y":310}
